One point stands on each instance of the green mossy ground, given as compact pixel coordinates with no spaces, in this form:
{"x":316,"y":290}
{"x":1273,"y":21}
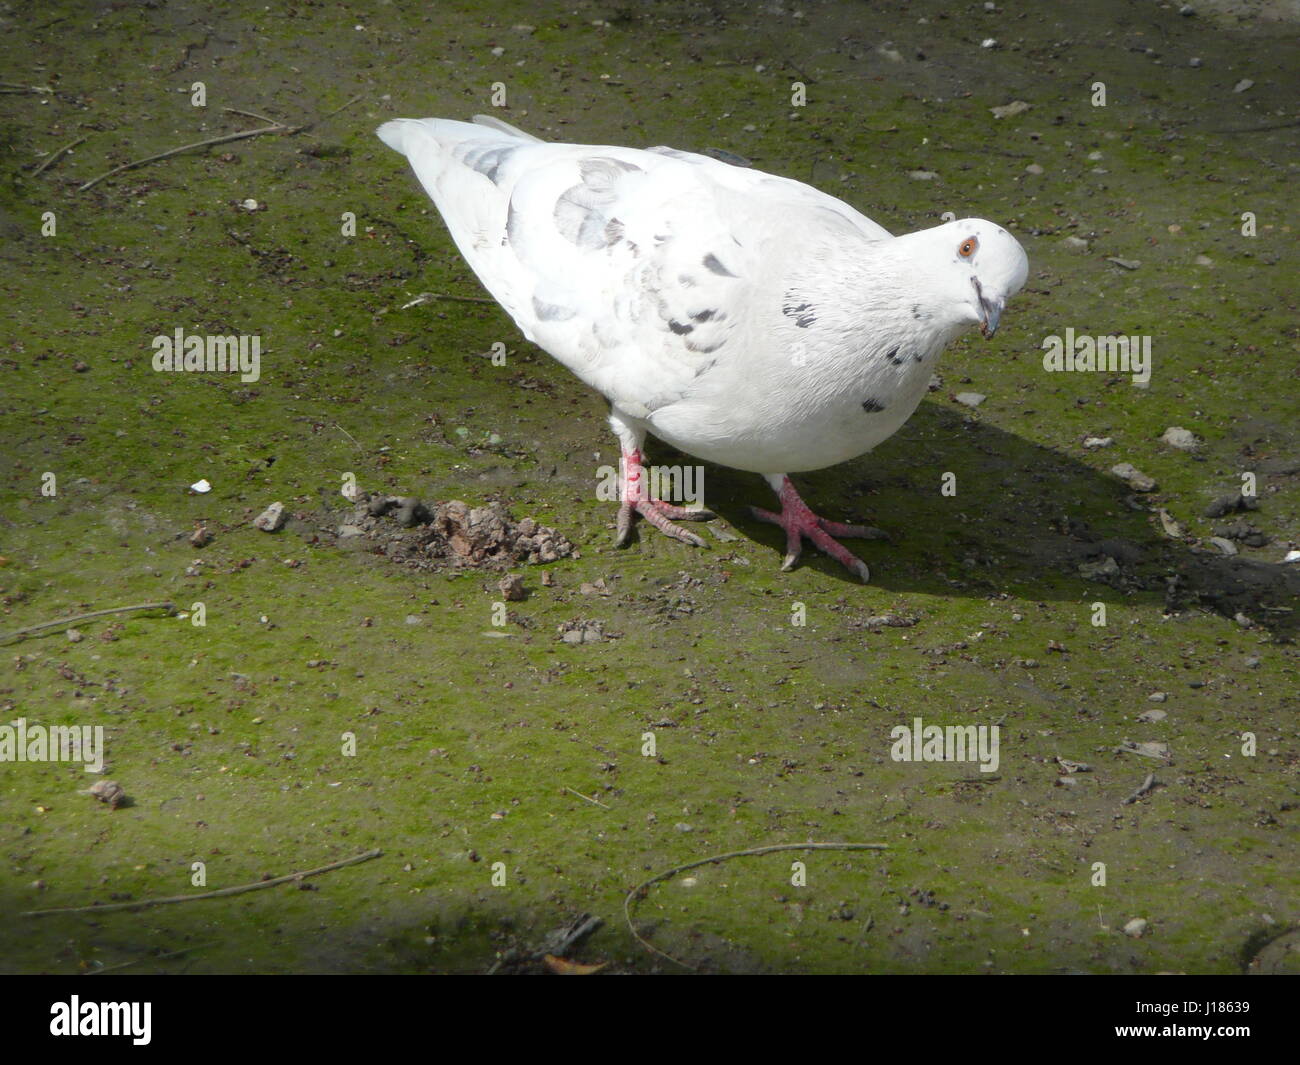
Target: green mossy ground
{"x":229,"y":743}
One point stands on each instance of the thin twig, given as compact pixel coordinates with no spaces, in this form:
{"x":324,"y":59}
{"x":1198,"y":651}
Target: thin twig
{"x":253,"y":114}
{"x":1147,"y":785}
{"x":597,"y":802}
{"x":791,"y":63}
{"x":218,"y":894}
{"x":331,"y":114}
{"x":66,"y":148}
{"x":637,"y":891}
{"x":152,"y":957}
{"x":185,"y":52}
{"x":349,"y":436}
{"x":82,"y":617}
{"x":275,"y":127}
{"x":185,"y":148}
{"x":425,"y":297}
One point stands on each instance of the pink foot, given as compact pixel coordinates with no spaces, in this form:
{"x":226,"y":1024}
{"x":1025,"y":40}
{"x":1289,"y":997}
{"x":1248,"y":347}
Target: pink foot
{"x":798,"y":521}
{"x":661,"y":515}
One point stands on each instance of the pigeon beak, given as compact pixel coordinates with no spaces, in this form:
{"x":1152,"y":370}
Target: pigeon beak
{"x":990,"y":310}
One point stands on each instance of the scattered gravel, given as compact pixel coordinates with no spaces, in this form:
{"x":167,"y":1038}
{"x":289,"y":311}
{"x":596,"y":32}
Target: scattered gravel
{"x":583,"y":631}
{"x":432,"y":536}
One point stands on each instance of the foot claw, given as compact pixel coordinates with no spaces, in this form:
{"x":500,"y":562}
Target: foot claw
{"x":799,"y":523}
{"x":658,"y":513}
{"x":861,"y":532}
{"x":623,"y":529}
{"x":683,"y":513}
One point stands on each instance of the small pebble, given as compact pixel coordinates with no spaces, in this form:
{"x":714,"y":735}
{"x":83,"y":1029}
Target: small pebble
{"x":1226,"y":504}
{"x":512,"y":587}
{"x":271,"y":519}
{"x":1183,"y":439}
{"x":1157,"y":697}
{"x":1136,"y":928}
{"x":1104,"y":567}
{"x":1015,"y":107}
{"x":1136,"y":479}
{"x":108,"y":791}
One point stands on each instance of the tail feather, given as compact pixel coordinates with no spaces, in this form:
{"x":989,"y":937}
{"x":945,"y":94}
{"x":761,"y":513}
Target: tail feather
{"x":405,"y":134}
{"x":492,"y":122}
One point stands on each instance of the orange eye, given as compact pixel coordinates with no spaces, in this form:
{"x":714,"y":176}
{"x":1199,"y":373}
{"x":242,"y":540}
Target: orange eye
{"x":967,"y":247}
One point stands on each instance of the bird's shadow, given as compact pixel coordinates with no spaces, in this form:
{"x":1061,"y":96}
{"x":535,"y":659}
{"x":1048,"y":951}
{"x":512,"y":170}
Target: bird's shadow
{"x":1012,"y":517}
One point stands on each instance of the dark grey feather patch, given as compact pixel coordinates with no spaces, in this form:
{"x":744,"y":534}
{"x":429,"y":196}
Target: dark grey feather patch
{"x":711,"y":261}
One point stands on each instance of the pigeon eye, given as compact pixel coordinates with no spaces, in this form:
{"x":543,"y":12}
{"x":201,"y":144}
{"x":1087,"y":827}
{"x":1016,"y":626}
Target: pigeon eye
{"x":967,"y":247}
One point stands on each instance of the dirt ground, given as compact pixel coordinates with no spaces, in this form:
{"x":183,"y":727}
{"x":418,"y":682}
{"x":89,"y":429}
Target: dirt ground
{"x":526,"y":752}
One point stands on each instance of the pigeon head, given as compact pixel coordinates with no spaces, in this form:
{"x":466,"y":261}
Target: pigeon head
{"x":979,"y":265}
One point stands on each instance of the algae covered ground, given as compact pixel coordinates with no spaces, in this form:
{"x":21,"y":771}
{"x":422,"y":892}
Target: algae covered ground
{"x":336,"y":702}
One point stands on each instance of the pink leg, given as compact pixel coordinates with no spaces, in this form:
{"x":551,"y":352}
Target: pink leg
{"x":633,"y":500}
{"x":798,"y":521}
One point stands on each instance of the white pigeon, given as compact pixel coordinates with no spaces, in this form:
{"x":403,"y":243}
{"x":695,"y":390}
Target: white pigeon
{"x":746,"y":319}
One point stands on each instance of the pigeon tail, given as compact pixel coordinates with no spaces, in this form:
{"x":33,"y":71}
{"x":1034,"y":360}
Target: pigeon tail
{"x":492,"y":122}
